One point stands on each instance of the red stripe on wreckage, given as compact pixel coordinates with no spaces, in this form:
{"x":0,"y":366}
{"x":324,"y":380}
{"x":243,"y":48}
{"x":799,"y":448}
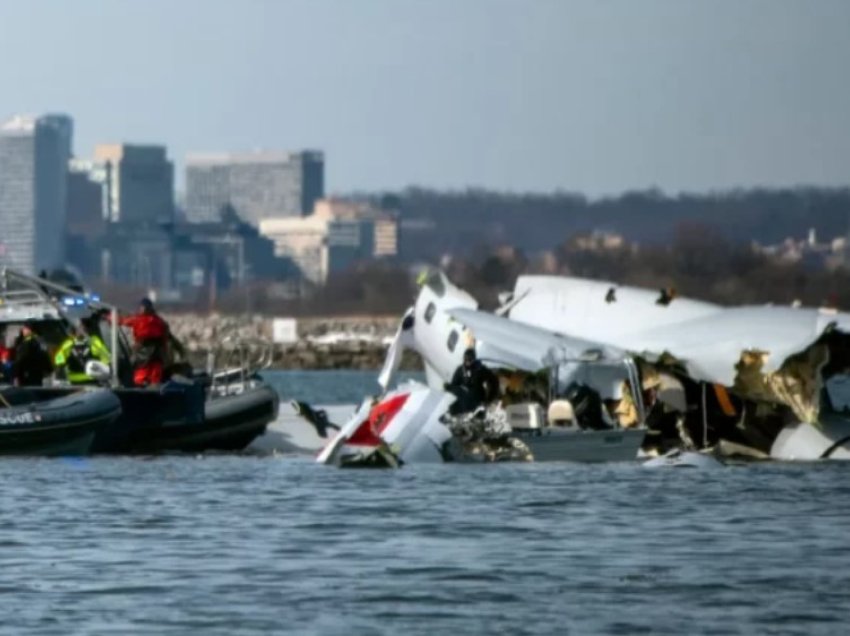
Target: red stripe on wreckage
{"x":369,"y":432}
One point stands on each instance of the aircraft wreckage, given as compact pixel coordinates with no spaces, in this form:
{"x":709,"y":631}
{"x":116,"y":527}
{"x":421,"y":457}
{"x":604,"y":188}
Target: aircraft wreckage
{"x":594,"y":371}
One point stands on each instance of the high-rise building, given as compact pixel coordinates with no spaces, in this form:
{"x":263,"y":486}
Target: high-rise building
{"x":139,"y":183}
{"x":34,"y":154}
{"x":87,"y":199}
{"x":85,"y":225}
{"x":257,"y":185}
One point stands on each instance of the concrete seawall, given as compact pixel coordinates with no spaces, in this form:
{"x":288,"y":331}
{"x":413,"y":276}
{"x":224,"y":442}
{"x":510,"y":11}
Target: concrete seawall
{"x":351,"y":342}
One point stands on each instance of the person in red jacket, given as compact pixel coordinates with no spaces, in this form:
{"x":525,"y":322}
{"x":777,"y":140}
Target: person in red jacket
{"x":7,"y":358}
{"x":150,"y":343}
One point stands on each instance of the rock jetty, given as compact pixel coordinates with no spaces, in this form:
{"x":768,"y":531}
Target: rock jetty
{"x":351,"y":342}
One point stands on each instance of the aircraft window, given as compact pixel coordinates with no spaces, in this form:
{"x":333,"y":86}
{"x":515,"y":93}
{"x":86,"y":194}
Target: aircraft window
{"x":452,"y":341}
{"x":430,"y":310}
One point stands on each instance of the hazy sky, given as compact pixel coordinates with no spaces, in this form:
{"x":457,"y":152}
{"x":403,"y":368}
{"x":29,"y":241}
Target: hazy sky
{"x":595,"y":96}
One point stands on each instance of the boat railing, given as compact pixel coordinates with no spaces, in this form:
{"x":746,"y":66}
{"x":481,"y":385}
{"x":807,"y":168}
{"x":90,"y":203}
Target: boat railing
{"x":20,"y":298}
{"x":235,"y":361}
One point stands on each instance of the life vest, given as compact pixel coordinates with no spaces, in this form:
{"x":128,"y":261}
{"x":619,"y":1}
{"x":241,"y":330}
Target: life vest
{"x":147,"y":327}
{"x":150,"y":333}
{"x":74,"y":354}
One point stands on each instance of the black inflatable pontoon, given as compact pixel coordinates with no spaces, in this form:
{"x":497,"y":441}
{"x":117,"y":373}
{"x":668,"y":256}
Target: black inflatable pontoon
{"x":31,"y":423}
{"x":181,"y":417}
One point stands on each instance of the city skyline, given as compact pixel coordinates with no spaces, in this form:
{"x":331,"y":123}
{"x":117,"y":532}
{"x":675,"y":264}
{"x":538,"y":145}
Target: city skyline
{"x":532,"y":96}
{"x":113,"y":216}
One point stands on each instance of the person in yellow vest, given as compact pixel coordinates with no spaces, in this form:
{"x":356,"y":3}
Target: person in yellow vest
{"x":77,"y":350}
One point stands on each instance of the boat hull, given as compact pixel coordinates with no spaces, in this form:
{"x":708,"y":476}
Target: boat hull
{"x":173,"y":418}
{"x":230,"y":423}
{"x":179,"y":423}
{"x":62,"y":426}
{"x":553,"y":444}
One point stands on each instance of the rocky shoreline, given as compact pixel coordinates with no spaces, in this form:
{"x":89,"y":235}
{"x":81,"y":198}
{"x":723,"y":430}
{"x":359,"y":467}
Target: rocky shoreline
{"x":351,"y":342}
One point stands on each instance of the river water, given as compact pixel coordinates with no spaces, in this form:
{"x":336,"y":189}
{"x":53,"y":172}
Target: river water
{"x":250,"y":545}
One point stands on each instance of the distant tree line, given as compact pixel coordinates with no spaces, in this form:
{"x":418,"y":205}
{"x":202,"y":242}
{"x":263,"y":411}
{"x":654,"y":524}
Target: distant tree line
{"x":435,"y":223}
{"x":699,"y":263}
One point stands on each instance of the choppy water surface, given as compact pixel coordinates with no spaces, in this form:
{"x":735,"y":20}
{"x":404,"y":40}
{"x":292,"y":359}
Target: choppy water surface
{"x":246,"y":545}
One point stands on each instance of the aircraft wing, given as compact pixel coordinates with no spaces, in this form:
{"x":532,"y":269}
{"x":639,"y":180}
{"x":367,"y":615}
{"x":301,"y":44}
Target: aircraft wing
{"x":505,"y":341}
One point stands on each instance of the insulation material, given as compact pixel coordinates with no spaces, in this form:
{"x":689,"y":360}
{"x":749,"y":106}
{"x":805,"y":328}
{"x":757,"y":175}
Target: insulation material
{"x":626,"y":411}
{"x":797,"y":383}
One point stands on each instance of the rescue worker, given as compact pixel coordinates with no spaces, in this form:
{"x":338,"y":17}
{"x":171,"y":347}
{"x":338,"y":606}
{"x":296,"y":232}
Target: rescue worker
{"x":78,"y":349}
{"x":151,"y":337}
{"x":32,"y":362}
{"x":473,"y":384}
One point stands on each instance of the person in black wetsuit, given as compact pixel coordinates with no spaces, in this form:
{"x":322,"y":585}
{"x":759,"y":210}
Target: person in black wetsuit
{"x":473,"y":384}
{"x":32,"y":362}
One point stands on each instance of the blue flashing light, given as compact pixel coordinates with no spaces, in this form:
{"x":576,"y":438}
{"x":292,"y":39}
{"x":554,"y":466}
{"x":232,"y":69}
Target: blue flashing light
{"x":94,"y":297}
{"x":73,"y":301}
